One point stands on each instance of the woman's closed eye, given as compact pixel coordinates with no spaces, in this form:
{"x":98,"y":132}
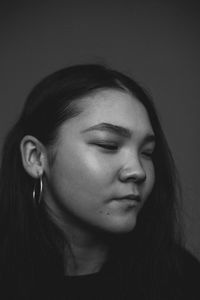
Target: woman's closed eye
{"x":108,"y":146}
{"x":147,"y":153}
{"x":115,"y":146}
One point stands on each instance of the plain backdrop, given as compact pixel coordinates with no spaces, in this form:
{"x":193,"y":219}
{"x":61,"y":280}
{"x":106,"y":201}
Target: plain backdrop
{"x":156,"y":42}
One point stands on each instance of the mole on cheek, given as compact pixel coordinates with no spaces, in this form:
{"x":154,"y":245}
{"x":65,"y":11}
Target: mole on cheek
{"x":107,"y":213}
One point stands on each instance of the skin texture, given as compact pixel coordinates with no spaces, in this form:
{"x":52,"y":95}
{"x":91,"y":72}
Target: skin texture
{"x":82,"y":185}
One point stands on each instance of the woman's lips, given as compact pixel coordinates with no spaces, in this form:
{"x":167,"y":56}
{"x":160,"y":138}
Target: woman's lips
{"x":130,"y":200}
{"x":131,"y":197}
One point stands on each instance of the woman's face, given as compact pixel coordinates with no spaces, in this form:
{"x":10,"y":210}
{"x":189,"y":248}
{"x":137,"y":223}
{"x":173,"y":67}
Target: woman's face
{"x":103,"y":171}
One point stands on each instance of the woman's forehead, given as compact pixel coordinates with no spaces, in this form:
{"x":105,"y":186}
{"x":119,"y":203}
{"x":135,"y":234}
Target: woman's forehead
{"x":114,"y":107}
{"x":110,"y":104}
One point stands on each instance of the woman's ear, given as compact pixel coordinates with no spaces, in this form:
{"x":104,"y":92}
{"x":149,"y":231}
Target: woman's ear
{"x":33,"y":155}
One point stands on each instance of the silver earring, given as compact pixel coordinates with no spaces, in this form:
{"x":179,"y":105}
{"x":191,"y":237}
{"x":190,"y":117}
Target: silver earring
{"x":37,"y":193}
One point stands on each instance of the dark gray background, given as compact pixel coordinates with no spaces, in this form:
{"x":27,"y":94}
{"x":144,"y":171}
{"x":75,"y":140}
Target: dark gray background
{"x":155,"y":41}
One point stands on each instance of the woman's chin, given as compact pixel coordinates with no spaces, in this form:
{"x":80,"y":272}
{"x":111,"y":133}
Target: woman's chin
{"x":120,"y":226}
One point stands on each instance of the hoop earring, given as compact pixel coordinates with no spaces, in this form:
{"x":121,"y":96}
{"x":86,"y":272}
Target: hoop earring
{"x":37,"y":195}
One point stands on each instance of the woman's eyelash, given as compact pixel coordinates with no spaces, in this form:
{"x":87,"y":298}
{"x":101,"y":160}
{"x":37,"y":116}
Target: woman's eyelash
{"x":147,"y":153}
{"x":115,"y":147}
{"x":108,"y":146}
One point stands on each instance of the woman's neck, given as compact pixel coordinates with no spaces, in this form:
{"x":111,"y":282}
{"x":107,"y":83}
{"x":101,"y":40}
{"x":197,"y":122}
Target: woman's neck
{"x":86,"y":250}
{"x":84,"y":258}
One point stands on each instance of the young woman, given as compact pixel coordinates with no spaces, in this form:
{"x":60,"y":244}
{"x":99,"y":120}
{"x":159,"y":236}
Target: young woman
{"x":89,"y":195}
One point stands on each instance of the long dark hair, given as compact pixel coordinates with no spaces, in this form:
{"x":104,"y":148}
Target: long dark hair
{"x":28,"y":253}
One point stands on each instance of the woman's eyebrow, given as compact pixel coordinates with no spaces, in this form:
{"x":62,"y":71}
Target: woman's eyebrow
{"x":149,"y":138}
{"x":119,"y":130}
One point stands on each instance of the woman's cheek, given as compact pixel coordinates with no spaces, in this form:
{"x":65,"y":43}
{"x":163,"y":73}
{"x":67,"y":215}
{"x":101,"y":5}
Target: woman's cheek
{"x":96,"y":165}
{"x":150,"y":179}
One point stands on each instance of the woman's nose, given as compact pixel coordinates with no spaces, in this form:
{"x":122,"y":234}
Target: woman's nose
{"x":134,"y":171}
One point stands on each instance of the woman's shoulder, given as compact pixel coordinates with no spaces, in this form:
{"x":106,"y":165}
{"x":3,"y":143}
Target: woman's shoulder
{"x":177,"y":278}
{"x":187,"y":277}
{"x":189,"y":263}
